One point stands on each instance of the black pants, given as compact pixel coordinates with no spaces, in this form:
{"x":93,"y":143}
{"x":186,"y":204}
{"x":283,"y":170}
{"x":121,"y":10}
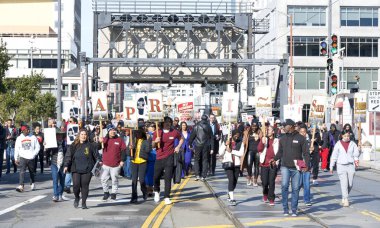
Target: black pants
{"x":212,"y":158}
{"x":315,"y":164}
{"x":40,"y":158}
{"x":138,"y":172}
{"x":232,"y":175}
{"x":201,"y":160}
{"x":167,"y":165}
{"x":81,"y":183}
{"x":23,"y":164}
{"x":253,"y":160}
{"x":268,"y":178}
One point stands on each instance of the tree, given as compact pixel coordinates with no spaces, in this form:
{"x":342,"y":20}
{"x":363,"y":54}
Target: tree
{"x":4,"y":62}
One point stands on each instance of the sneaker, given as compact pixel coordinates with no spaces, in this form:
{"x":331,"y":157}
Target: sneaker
{"x":156,"y":197}
{"x":20,"y":188}
{"x":32,"y":187}
{"x":271,"y":202}
{"x":346,"y":203}
{"x":197,"y":178}
{"x":134,"y":201}
{"x":228,"y":197}
{"x":315,"y":182}
{"x":308,"y":204}
{"x":168,"y":201}
{"x":286,"y":213}
{"x":325,"y":170}
{"x":255,"y":184}
{"x":55,"y":199}
{"x":232,"y":202}
{"x":265,"y":198}
{"x":106,"y":196}
{"x":67,"y":190}
{"x":113,"y":196}
{"x":294,"y":215}
{"x":63,"y":198}
{"x":203,"y":179}
{"x":249,"y":182}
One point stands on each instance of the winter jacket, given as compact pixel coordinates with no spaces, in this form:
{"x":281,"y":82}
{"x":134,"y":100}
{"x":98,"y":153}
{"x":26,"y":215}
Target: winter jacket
{"x":145,"y":149}
{"x":72,"y":164}
{"x":293,"y":146}
{"x":26,"y":147}
{"x":12,"y":133}
{"x":202,"y":135}
{"x":343,"y":157}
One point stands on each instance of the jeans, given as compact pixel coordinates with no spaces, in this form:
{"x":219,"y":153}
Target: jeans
{"x":1,"y":161}
{"x":127,"y":168}
{"x":26,"y":163}
{"x":68,"y":180}
{"x":58,"y":180}
{"x":305,"y":183}
{"x":10,"y":156}
{"x":293,"y":175}
{"x":149,"y":173}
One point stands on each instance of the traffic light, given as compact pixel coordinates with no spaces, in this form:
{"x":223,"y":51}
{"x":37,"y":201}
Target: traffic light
{"x":334,"y":44}
{"x":334,"y":84}
{"x":329,"y":64}
{"x":323,"y":46}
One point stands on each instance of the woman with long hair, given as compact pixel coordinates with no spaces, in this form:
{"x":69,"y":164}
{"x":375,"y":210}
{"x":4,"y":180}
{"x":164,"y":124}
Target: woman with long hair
{"x":346,"y":156}
{"x":251,"y":140}
{"x":188,"y":154}
{"x":80,"y":160}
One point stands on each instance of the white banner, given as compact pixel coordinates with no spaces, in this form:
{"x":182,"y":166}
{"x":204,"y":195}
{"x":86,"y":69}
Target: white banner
{"x":155,"y":107}
{"x":263,"y":101}
{"x":360,"y":107}
{"x":185,"y":110}
{"x":230,"y":107}
{"x":317,"y":110}
{"x":99,"y":105}
{"x":130,"y":113}
{"x":50,"y":138}
{"x":72,"y":132}
{"x":293,"y":112}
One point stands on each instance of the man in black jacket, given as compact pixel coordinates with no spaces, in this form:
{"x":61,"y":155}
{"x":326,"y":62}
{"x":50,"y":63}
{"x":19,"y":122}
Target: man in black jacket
{"x":292,"y":148}
{"x":203,"y":138}
{"x":216,"y":136}
{"x":2,"y":147}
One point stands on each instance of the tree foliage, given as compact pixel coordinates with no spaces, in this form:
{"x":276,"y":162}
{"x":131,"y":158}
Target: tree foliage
{"x":21,"y":98}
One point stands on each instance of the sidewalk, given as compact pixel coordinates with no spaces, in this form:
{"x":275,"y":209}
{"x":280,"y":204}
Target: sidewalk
{"x":374,"y":164}
{"x":325,"y":212}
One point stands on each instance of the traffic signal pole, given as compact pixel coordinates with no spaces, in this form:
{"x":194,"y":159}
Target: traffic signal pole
{"x":329,"y":32}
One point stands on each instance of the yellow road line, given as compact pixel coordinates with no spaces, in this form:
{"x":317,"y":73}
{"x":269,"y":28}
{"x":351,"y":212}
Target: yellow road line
{"x":371,"y":214}
{"x":166,"y":210}
{"x":212,"y":226}
{"x":153,"y":214}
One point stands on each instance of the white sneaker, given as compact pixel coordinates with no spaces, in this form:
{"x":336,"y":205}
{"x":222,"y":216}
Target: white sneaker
{"x":32,"y":187}
{"x":346,"y":203}
{"x":156,"y":197}
{"x":249,"y":183}
{"x":315,"y":182}
{"x":63,"y":198}
{"x":168,"y":201}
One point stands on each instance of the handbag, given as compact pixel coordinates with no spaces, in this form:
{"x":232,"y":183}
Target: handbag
{"x":228,"y":161}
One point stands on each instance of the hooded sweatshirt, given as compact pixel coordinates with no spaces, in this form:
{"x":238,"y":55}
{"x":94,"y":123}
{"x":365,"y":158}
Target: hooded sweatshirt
{"x":26,"y":147}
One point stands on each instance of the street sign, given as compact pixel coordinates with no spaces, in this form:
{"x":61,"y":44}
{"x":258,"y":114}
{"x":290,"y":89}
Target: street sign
{"x":374,"y":101}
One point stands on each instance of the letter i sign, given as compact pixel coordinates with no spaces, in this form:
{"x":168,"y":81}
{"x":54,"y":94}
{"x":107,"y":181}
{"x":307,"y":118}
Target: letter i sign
{"x":99,"y":106}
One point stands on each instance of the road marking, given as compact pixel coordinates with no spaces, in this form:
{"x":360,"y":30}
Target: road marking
{"x":260,"y":222}
{"x":166,"y":210}
{"x":14,"y":207}
{"x":371,"y":214}
{"x":131,"y":210}
{"x":153,"y":214}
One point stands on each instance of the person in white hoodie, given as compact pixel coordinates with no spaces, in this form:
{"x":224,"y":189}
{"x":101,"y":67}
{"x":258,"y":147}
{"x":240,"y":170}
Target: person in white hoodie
{"x":26,"y":149}
{"x":346,"y":156}
{"x":232,"y":155}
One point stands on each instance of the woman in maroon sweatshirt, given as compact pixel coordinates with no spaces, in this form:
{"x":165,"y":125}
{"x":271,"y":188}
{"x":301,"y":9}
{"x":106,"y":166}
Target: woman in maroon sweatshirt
{"x":268,"y":148}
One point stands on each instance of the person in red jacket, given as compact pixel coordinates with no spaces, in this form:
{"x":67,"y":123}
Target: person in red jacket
{"x":113,"y":159}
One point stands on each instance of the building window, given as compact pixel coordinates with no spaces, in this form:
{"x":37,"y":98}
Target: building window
{"x":308,"y":16}
{"x":360,"y":47}
{"x":355,"y":16}
{"x":65,"y":90}
{"x":305,"y":46}
{"x":308,"y":78}
{"x":183,"y":93}
{"x":74,"y":90}
{"x":367,"y":78}
{"x":44,"y":63}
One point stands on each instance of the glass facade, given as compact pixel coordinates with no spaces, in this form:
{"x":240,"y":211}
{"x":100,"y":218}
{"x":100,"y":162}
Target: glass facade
{"x":309,"y":78}
{"x":308,"y":16}
{"x":359,"y":16}
{"x":360,"y":46}
{"x":368,"y":78}
{"x":305,"y":46}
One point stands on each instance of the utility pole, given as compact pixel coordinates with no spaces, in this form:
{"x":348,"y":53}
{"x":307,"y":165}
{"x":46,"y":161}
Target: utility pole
{"x":59,"y":78}
{"x":329,"y":32}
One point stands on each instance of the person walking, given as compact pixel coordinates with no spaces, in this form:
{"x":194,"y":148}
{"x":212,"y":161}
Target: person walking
{"x":216,"y":136}
{"x":346,"y":157}
{"x":40,"y":156}
{"x":334,"y":136}
{"x":165,"y":157}
{"x":26,"y":149}
{"x":141,"y":150}
{"x":151,"y":161}
{"x":2,"y":147}
{"x":113,"y":159}
{"x":188,"y":153}
{"x":292,"y":147}
{"x":268,"y":148}
{"x":324,"y":149}
{"x":203,"y":140}
{"x":314,"y":153}
{"x":305,"y":174}
{"x":233,"y":153}
{"x":80,"y":160}
{"x":11,"y":135}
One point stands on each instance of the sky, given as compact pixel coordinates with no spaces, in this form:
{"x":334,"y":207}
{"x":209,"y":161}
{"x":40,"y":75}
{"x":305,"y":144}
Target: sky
{"x":87,"y":30}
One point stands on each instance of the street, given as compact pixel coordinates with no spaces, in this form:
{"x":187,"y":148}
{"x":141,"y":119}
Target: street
{"x":196,"y":204}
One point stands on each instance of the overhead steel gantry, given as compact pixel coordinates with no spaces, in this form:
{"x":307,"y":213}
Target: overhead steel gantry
{"x":176,"y":42}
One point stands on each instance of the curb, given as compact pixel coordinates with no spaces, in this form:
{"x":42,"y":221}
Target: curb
{"x":227,"y":212}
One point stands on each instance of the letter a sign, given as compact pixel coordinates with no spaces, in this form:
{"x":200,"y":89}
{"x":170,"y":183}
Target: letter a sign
{"x":99,"y":105}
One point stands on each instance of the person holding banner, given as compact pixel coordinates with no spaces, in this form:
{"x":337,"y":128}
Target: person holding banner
{"x":315,"y":143}
{"x":268,"y":148}
{"x":80,"y":159}
{"x":324,"y":150}
{"x":346,"y":156}
{"x":165,"y":157}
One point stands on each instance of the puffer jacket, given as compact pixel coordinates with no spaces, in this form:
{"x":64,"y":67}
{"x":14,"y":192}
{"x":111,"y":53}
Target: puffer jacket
{"x":202,"y":135}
